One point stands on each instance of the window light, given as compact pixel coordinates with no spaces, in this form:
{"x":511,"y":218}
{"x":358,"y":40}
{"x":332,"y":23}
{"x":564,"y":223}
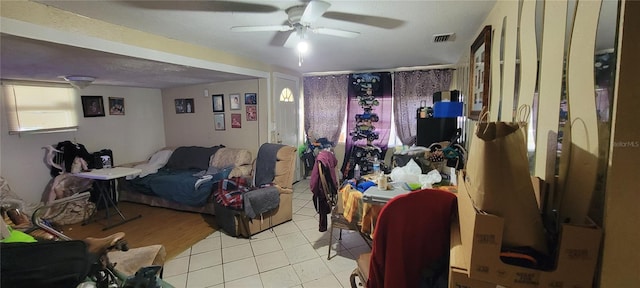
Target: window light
{"x":286,"y":95}
{"x":38,"y":109}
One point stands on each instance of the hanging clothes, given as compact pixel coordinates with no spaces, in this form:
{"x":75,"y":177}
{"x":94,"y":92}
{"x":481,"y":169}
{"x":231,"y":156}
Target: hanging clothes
{"x":328,"y":159}
{"x":70,"y":151}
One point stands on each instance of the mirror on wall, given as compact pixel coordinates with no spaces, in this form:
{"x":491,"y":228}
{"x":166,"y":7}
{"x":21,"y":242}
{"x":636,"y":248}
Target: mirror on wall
{"x":572,"y":5}
{"x":502,"y":40}
{"x":538,"y":17}
{"x":604,"y":74}
{"x":516,"y":86}
{"x":604,"y":61}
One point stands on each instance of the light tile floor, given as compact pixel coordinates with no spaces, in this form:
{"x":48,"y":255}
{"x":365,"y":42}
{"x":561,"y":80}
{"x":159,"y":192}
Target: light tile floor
{"x":292,"y":254}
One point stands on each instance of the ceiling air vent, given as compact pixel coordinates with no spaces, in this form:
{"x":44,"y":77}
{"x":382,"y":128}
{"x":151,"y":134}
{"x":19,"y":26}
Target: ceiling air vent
{"x":437,"y":38}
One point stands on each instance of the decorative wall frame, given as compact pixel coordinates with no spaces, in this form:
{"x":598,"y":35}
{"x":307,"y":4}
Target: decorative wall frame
{"x":92,"y":106}
{"x":252,"y":112}
{"x":184,"y":106}
{"x":218,"y":102}
{"x":250,"y":98}
{"x":116,"y":106}
{"x":234,"y":102}
{"x":480,"y":74}
{"x":236,"y":120}
{"x":218,"y":121}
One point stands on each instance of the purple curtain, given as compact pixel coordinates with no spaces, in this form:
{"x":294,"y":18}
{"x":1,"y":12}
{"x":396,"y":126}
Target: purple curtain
{"x":325,"y":99}
{"x":410,"y":88}
{"x":383,"y":110}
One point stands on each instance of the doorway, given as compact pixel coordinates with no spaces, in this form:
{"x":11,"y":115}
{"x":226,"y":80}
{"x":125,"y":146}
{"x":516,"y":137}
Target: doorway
{"x":286,"y":113}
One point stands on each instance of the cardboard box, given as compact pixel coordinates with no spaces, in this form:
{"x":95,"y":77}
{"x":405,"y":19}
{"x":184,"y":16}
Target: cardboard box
{"x":539,"y":190}
{"x":481,"y":236}
{"x":458,"y":279}
{"x":453,"y":96}
{"x":458,"y":272}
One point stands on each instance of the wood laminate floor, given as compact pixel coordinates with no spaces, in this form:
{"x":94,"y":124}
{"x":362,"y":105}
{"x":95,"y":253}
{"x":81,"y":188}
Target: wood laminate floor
{"x":176,"y":230}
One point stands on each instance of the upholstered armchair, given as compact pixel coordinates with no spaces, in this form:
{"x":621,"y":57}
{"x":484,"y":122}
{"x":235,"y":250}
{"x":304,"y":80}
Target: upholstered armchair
{"x":274,"y":164}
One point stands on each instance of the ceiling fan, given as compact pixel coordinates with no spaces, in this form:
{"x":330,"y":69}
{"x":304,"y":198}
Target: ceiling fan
{"x":301,"y":19}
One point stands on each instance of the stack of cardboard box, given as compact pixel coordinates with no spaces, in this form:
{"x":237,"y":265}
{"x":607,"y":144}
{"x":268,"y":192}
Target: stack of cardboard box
{"x":475,"y":253}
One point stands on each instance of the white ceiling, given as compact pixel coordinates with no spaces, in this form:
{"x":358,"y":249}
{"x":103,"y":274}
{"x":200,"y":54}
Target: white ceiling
{"x":400,"y":35}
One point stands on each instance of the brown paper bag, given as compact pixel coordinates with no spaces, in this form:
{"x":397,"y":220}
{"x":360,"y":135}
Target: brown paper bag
{"x":499,"y":182}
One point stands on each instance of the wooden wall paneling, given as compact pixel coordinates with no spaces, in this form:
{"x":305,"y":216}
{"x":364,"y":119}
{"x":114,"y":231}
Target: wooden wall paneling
{"x":505,"y":14}
{"x":512,"y":18}
{"x":500,"y":96}
{"x":551,"y":69}
{"x":528,"y":54}
{"x":495,"y":80}
{"x":620,"y":265}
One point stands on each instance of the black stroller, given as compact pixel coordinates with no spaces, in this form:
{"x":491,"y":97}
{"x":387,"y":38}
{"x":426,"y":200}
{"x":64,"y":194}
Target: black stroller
{"x":64,"y":262}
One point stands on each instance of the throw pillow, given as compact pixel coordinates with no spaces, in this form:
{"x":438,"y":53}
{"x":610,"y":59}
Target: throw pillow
{"x":191,"y":157}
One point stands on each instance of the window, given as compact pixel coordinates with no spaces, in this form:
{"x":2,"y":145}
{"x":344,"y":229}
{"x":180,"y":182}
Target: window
{"x":39,"y":109}
{"x":393,"y":137}
{"x":286,"y":95}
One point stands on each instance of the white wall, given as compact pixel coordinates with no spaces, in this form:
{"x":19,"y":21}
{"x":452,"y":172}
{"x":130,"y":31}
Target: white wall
{"x":132,"y":137}
{"x":198,"y":128}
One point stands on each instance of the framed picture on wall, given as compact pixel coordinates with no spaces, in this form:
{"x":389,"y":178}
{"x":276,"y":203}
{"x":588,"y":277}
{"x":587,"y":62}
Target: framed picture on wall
{"x":250,"y":99}
{"x":184,"y":106}
{"x":218,"y":102}
{"x":236,"y":120}
{"x":480,"y":72}
{"x":218,"y":121}
{"x":92,"y":106}
{"x":234,"y":99}
{"x":116,"y":106}
{"x":252,"y":112}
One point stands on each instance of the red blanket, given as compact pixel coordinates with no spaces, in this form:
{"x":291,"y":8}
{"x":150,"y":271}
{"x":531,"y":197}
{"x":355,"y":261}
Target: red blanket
{"x":229,"y":192}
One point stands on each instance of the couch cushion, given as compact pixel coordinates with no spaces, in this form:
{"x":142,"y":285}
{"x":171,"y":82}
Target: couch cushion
{"x":226,"y":157}
{"x":191,"y":157}
{"x":285,"y":166}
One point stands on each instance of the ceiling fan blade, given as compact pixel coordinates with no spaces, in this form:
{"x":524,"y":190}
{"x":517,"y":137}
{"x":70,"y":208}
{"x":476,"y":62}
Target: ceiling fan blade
{"x":376,"y":21}
{"x":216,"y":6}
{"x":336,"y":32}
{"x":281,"y":38}
{"x":314,"y":10}
{"x":292,"y":41}
{"x":261,"y":28}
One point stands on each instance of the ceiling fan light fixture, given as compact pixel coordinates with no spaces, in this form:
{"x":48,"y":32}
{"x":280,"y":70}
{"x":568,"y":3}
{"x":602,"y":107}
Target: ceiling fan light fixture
{"x":303,"y":47}
{"x":79,"y":81}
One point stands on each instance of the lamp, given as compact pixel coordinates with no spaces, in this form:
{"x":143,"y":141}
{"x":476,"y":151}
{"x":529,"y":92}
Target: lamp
{"x":303,"y":45}
{"x":302,"y":49}
{"x":78,"y":81}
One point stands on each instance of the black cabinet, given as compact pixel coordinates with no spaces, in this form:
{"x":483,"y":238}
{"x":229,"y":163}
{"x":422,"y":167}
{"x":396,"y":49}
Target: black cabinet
{"x":431,"y":130}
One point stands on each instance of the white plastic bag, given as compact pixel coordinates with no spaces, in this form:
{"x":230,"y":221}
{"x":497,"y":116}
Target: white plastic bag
{"x":409,"y":173}
{"x":412,"y":173}
{"x":427,"y":180}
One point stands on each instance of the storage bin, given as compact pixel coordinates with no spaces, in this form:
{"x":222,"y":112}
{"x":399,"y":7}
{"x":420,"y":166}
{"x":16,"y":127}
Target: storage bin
{"x":447,"y":109}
